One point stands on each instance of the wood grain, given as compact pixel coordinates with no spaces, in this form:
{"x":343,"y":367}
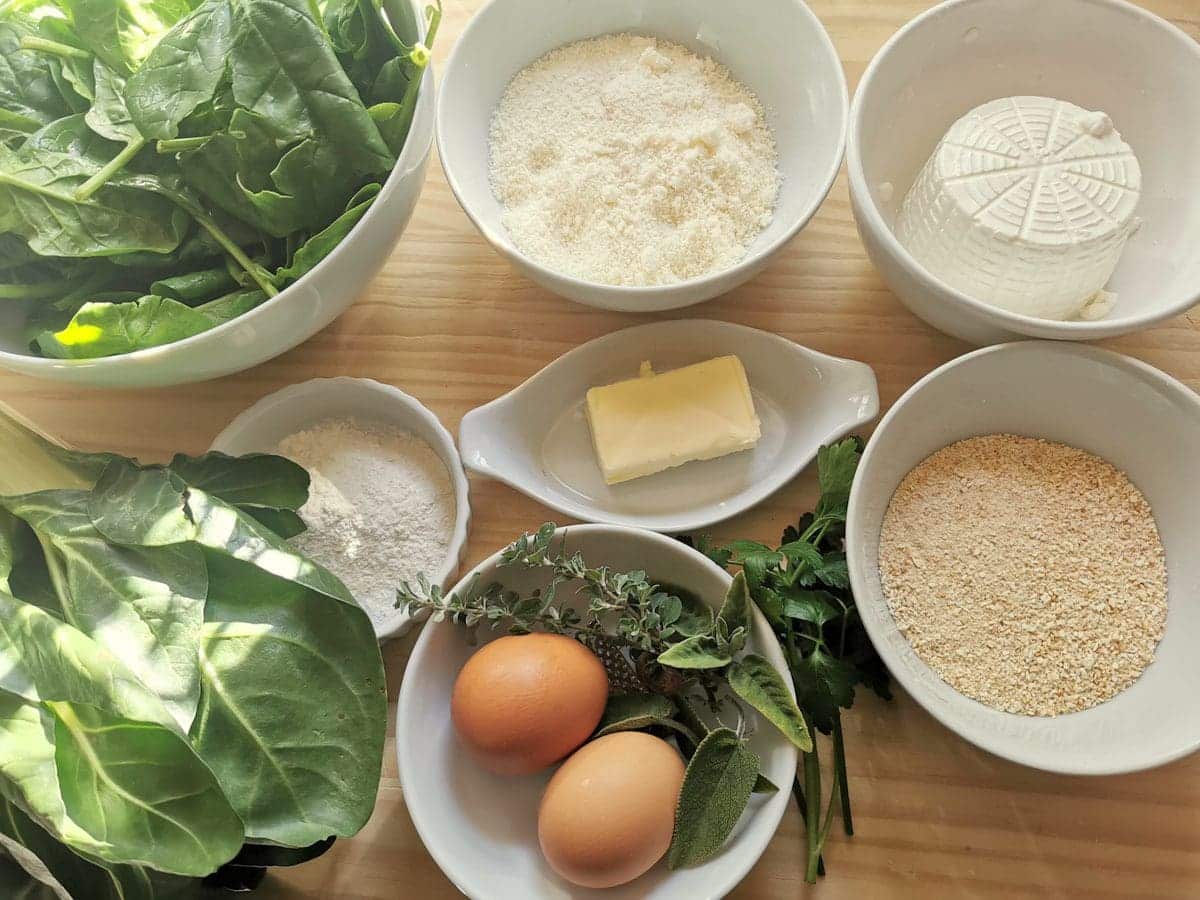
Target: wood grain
{"x":450,"y":322}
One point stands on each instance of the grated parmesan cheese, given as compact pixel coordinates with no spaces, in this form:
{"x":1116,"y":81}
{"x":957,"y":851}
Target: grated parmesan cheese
{"x":631,"y":161}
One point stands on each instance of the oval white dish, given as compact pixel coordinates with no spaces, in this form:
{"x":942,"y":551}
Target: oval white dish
{"x":481,"y":829}
{"x":536,"y":437}
{"x":260,"y":428}
{"x":1127,"y":412}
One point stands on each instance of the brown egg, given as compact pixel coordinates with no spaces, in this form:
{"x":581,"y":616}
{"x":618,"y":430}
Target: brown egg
{"x":523,"y":702}
{"x":609,"y":811}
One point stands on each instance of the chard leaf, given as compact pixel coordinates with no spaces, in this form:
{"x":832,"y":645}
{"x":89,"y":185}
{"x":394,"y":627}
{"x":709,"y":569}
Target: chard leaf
{"x":145,"y":605}
{"x":271,"y":645}
{"x":720,"y":778}
{"x":37,"y":203}
{"x":257,"y":479}
{"x":18,"y":883}
{"x":79,"y":876}
{"x":757,"y":682}
{"x":96,"y":759}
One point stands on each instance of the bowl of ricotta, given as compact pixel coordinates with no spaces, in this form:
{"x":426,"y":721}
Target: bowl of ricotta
{"x":641,"y":155}
{"x":1023,"y":169}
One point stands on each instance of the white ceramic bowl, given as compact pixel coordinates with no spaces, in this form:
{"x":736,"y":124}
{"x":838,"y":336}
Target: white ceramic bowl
{"x":536,"y":438}
{"x":779,"y":50}
{"x":1123,"y":410}
{"x":1100,"y":54}
{"x":261,"y":427}
{"x":482,"y":828}
{"x":292,"y":316}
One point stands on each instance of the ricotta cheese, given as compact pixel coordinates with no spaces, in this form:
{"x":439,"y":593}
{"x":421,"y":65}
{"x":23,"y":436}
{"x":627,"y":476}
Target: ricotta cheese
{"x":1026,"y":204}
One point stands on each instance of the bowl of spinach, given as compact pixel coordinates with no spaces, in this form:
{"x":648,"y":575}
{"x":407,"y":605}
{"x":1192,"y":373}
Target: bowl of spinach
{"x":191,"y":187}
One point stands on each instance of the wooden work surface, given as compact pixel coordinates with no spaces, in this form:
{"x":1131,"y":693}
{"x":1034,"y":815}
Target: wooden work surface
{"x":449,"y":322}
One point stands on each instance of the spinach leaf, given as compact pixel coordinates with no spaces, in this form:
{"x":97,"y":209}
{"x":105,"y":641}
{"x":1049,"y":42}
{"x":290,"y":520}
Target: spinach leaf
{"x":321,"y":244}
{"x":181,"y":72}
{"x":37,"y":203}
{"x":71,"y":136}
{"x":195,"y":287}
{"x":106,"y":329}
{"x":27,"y":79}
{"x":122,"y":33}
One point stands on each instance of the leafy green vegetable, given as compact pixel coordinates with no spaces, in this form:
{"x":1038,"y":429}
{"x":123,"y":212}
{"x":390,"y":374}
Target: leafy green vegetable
{"x":803,"y":589}
{"x":248,"y":699}
{"x":755,"y":680}
{"x":720,"y":778}
{"x":243,"y":100}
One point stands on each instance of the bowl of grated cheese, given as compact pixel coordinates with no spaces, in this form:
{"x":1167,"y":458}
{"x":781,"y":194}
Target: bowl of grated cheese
{"x":641,"y":155}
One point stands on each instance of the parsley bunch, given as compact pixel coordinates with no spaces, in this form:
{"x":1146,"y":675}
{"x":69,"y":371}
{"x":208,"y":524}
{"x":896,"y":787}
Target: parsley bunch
{"x":803,"y":589}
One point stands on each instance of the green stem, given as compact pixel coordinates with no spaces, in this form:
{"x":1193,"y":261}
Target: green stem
{"x":435,"y":20}
{"x":18,"y":122}
{"x":39,"y":189}
{"x":54,"y":47}
{"x":115,"y":165}
{"x":839,"y":772}
{"x":40,"y":291}
{"x":182,"y":145}
{"x":812,"y":819}
{"x":58,"y":578}
{"x":254,"y":270}
{"x":798,"y":793}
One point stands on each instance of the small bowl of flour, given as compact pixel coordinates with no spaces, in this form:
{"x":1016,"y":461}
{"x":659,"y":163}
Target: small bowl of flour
{"x":646,"y":156}
{"x":388,"y":495}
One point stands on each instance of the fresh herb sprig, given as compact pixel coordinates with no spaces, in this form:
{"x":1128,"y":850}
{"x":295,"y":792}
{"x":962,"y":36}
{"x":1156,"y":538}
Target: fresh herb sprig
{"x":675,"y":665}
{"x":803,"y":589}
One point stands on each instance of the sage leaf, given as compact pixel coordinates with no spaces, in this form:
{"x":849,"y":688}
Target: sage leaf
{"x":269,"y":645}
{"x":699,"y":652}
{"x":720,"y":778}
{"x":756,"y":681}
{"x":764,"y":785}
{"x":633,"y":712}
{"x":735,"y":611}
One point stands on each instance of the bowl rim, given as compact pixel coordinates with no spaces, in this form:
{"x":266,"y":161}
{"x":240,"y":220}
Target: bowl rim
{"x":409,"y":769}
{"x":744,"y":268}
{"x":869,"y":217}
{"x":444,"y":446}
{"x":408,"y":162}
{"x":857,"y":562}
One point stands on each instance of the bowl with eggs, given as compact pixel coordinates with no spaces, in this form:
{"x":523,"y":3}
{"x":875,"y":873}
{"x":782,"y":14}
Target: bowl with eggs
{"x":537,"y":761}
{"x":641,"y":155}
{"x":1025,"y":568}
{"x":1024,"y":169}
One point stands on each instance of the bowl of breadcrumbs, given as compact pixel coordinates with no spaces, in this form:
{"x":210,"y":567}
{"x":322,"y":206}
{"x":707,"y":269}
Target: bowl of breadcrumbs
{"x":1021,"y":546}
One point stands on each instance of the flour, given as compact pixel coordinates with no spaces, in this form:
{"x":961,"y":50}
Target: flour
{"x":627,"y":160}
{"x":381,"y":507}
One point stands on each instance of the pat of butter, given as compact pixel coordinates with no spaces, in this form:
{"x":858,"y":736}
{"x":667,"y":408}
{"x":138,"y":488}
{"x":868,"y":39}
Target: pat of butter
{"x":659,"y":421}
